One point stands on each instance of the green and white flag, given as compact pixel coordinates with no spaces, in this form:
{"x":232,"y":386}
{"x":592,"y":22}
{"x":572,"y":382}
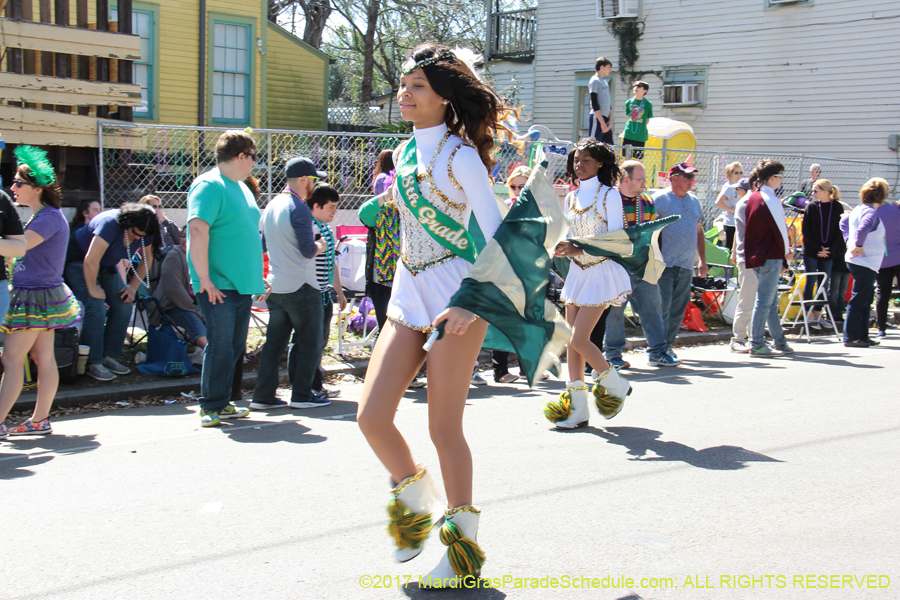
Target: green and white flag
{"x":507,"y":285}
{"x":635,"y":248}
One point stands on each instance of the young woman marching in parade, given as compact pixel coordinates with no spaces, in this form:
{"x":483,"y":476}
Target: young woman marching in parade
{"x":441,"y":179}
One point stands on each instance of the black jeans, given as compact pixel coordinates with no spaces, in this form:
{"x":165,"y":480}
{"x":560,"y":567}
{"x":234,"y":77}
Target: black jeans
{"x":380,"y":295}
{"x":856,"y":325}
{"x":500,"y":361}
{"x":885,"y":282}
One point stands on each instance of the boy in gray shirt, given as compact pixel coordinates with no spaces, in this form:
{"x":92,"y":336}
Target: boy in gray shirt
{"x":599,"y":125}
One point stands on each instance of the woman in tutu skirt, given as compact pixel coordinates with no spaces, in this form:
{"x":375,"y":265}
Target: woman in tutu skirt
{"x":592,"y":285}
{"x":40,"y":302}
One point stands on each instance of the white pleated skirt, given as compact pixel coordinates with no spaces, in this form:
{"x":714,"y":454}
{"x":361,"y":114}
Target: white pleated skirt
{"x":417,"y":300}
{"x":603,"y":285}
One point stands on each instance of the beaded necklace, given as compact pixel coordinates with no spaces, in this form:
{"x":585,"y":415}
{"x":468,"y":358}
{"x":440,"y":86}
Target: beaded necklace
{"x":593,"y":205}
{"x":638,"y":210}
{"x":131,"y":260}
{"x":328,"y":236}
{"x":825,"y":231}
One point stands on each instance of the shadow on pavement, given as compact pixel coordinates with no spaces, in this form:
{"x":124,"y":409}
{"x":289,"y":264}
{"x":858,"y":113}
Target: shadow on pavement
{"x":26,"y":452}
{"x":247,"y":431}
{"x":640,"y":442}
{"x":14,"y":466}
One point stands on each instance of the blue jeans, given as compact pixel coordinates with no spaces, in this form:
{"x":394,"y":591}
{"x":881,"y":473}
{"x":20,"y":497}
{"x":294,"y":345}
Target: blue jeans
{"x":226,"y":332}
{"x":765,"y":311}
{"x":189,"y":321}
{"x":839,"y":282}
{"x":814,"y":264}
{"x":856,"y":325}
{"x":646,"y":302}
{"x":674,"y":292}
{"x":302,"y":312}
{"x":102,"y":329}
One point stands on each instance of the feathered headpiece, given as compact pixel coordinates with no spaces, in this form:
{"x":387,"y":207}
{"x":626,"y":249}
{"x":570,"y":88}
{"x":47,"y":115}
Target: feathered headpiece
{"x":36,"y":161}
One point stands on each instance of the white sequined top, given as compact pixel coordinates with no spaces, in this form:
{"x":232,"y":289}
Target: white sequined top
{"x":593,"y":209}
{"x":463,"y":187}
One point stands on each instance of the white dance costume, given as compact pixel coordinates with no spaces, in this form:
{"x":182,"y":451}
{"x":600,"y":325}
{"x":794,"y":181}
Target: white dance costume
{"x":595,"y":280}
{"x":428,"y":274}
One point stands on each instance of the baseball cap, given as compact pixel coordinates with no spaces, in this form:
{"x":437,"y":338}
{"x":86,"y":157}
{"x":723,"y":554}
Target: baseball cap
{"x":302,"y":167}
{"x":682,"y":168}
{"x":743,"y":183}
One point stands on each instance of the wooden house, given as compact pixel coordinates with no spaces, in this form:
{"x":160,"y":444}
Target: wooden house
{"x":193,"y":63}
{"x":771,"y":76}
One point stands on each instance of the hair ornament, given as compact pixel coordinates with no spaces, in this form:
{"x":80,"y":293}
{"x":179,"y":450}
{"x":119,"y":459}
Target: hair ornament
{"x":36,"y":161}
{"x":446,"y":54}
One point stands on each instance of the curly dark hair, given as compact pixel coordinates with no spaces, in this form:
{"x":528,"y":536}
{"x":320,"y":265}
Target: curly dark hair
{"x":609,"y":172}
{"x":475,"y":112}
{"x":141,"y":216}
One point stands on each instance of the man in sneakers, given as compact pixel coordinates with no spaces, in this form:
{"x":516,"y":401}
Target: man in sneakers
{"x":645,"y":299}
{"x":679,"y":242}
{"x":740,"y":336}
{"x":225,"y":262}
{"x":295,"y":303}
{"x":323,"y":203}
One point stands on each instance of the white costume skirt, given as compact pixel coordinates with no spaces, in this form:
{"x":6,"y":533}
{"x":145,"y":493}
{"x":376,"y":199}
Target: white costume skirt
{"x":416,"y":301}
{"x":602,"y":285}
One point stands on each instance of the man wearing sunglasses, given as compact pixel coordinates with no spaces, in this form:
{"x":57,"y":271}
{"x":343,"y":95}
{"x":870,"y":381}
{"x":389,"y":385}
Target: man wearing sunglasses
{"x":680,"y":242}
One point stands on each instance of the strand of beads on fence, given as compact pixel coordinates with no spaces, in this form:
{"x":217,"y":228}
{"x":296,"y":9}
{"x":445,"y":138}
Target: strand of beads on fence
{"x":138,"y":159}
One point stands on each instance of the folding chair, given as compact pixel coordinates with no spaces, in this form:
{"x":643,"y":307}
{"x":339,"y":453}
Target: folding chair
{"x":796,"y":298}
{"x":343,"y":317}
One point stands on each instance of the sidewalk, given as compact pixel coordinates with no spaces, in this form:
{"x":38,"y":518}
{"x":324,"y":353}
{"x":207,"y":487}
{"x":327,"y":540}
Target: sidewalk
{"x":155,"y":386}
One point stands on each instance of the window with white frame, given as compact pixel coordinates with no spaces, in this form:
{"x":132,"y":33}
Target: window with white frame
{"x":618,"y":9}
{"x":684,"y":85}
{"x":231,"y":73}
{"x":142,"y":70}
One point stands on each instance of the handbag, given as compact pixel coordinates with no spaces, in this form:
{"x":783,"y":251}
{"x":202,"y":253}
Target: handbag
{"x":166,"y":354}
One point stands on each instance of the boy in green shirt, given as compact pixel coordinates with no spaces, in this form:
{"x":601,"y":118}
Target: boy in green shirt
{"x":639,"y":111}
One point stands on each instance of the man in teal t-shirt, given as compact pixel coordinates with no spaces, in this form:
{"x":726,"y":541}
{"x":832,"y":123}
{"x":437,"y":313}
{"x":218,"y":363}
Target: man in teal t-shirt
{"x":639,"y":111}
{"x":225,"y":263}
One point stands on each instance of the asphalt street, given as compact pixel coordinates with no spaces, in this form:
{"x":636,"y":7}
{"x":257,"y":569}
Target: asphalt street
{"x":729,"y":477}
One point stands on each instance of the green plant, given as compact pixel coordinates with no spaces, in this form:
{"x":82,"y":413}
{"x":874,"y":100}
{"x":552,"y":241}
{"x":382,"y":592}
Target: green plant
{"x":628,"y":32}
{"x":396,"y":127}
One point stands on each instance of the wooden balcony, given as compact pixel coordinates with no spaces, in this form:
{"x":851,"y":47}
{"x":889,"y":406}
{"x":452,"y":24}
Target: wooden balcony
{"x":512,"y":35}
{"x":58,"y":81}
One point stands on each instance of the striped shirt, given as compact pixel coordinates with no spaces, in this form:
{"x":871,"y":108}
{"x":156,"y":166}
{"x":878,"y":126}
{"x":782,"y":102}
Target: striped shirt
{"x":636,"y":216}
{"x":324,"y":274}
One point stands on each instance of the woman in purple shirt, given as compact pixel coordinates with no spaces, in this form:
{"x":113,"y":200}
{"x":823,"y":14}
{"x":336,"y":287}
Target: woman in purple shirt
{"x":40,"y":302}
{"x":889,"y":215}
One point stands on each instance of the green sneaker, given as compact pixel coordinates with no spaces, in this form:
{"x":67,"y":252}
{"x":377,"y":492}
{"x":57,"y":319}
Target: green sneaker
{"x":783,"y":349}
{"x":233,"y":412}
{"x":209,"y":419}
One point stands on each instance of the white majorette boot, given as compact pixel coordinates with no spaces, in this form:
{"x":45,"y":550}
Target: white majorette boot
{"x":571,"y":409}
{"x":610,"y":392}
{"x":411,"y":514}
{"x":464,"y":558}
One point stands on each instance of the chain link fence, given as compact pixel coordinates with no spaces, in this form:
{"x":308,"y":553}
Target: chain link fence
{"x":138,"y":159}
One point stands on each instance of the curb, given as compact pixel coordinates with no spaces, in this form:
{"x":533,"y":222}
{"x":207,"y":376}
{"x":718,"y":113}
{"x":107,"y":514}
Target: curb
{"x":68,"y":398}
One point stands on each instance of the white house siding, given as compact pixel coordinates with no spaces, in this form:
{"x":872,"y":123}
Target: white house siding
{"x":818,"y":79}
{"x":509,"y":77}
